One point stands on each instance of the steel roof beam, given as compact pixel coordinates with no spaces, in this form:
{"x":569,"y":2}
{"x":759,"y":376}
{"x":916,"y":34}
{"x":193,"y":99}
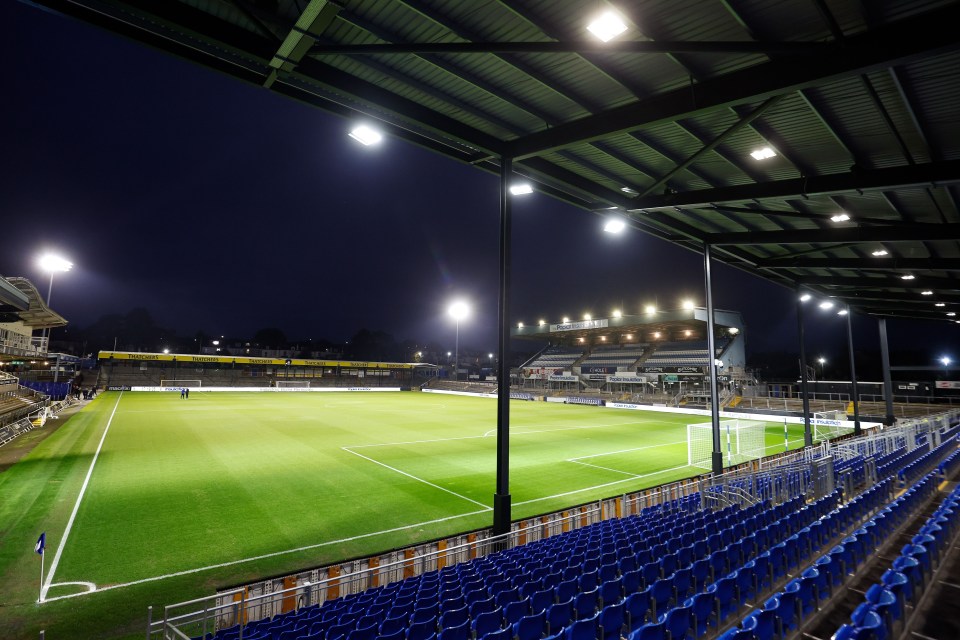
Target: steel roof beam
{"x":862,"y":264}
{"x":313,"y":21}
{"x":897,"y":43}
{"x":918,"y":175}
{"x":922,"y":282}
{"x":583,"y":46}
{"x":891,"y":233}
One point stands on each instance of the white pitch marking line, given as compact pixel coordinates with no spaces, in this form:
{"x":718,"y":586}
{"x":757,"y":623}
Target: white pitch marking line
{"x":267,"y":555}
{"x":404,"y":473}
{"x":600,"y":486}
{"x":596,"y":466}
{"x":91,"y":587}
{"x":76,"y":507}
{"x":610,"y":453}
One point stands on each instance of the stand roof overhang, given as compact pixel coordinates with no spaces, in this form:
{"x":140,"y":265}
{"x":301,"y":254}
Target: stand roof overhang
{"x":857,"y":99}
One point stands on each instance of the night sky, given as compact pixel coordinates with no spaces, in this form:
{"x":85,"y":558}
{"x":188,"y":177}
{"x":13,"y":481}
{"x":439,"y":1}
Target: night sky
{"x":222,"y":207}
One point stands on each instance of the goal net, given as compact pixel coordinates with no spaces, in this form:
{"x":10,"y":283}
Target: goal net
{"x":829,"y":424}
{"x":293,"y":384}
{"x":740,"y":440}
{"x":190,"y":384}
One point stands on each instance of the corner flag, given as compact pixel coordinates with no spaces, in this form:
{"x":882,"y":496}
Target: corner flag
{"x":41,"y":543}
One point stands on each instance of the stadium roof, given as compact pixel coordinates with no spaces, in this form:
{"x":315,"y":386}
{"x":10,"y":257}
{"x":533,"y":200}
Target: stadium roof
{"x":857,"y":100}
{"x":671,"y":324}
{"x":35,"y":313}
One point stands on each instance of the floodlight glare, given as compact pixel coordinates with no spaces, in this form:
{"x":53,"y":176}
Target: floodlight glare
{"x":459,"y":310}
{"x":940,"y":304}
{"x":566,"y":319}
{"x":842,"y":312}
{"x":928,"y":292}
{"x":587,"y":316}
{"x":687,"y":304}
{"x":521,"y":189}
{"x":951,"y":313}
{"x":763,"y":154}
{"x":629,"y":191}
{"x":166,"y":350}
{"x":650,"y":309}
{"x":826,"y":304}
{"x":51,"y":263}
{"x":656,"y":334}
{"x":945,"y":361}
{"x":908,"y":277}
{"x":490,"y":355}
{"x":519,"y":325}
{"x":540,"y":323}
{"x":840,"y":217}
{"x":734,"y":331}
{"x":805,"y":297}
{"x":880,"y":253}
{"x":821,"y":360}
{"x":614,"y":225}
{"x":366,"y":135}
{"x":607,"y":26}
{"x":616,"y":313}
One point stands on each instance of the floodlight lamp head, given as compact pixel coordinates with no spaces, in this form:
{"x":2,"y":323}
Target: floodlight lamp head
{"x":521,"y":189}
{"x":804,"y":297}
{"x":617,"y":313}
{"x":459,"y":310}
{"x":607,"y":26}
{"x":614,"y":225}
{"x":366,"y":135}
{"x":52,"y":263}
{"x":945,"y":361}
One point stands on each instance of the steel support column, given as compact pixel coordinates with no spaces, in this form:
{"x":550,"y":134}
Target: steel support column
{"x":853,"y":376}
{"x":804,"y":391}
{"x":887,"y":381}
{"x":717,"y":457}
{"x":501,"y":499}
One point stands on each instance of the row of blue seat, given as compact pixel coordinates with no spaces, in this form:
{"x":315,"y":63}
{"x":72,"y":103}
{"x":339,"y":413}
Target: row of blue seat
{"x":921,"y":465}
{"x":784,"y":612}
{"x":885,"y":603}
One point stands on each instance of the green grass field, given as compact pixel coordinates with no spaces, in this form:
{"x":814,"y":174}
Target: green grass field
{"x":189,"y":495}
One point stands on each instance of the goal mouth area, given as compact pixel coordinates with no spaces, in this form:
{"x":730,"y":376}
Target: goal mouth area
{"x":293,"y":384}
{"x":740,"y":440}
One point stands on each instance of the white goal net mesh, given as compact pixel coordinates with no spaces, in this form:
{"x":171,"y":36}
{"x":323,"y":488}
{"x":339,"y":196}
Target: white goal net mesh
{"x":293,"y":384}
{"x":829,"y":424}
{"x":740,"y":440}
{"x":191,"y":384}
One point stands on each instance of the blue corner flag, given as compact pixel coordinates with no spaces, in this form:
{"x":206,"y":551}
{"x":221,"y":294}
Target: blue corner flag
{"x":41,"y":543}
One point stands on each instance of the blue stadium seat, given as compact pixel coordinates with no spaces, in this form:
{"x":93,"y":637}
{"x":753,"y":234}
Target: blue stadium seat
{"x":530,"y":627}
{"x":487,"y":622}
{"x":611,"y":621}
{"x":677,"y":622}
{"x":458,"y":632}
{"x":637,"y":605}
{"x":649,"y":631}
{"x":702,"y":612}
{"x":559,"y":616}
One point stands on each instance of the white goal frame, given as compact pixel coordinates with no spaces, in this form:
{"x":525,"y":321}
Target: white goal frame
{"x":740,"y":440}
{"x":293,"y":384}
{"x":189,"y":384}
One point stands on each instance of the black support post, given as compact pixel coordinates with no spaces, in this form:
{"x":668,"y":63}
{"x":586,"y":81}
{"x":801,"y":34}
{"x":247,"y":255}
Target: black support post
{"x":853,"y":376}
{"x":804,"y":391}
{"x":717,"y":458}
{"x":501,"y":499}
{"x":887,"y":381}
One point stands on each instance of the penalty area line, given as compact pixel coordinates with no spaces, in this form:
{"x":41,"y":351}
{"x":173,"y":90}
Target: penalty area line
{"x":76,"y":507}
{"x":264,"y":556}
{"x":601,"y":486}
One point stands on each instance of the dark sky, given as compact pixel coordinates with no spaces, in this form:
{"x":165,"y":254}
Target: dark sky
{"x":222,"y":207}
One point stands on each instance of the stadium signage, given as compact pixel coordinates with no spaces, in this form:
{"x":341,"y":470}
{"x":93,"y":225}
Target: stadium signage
{"x":598,"y":369}
{"x":119,"y":387}
{"x":576,"y":326}
{"x":682,"y":369}
{"x":627,"y":379}
{"x":563,"y":378}
{"x":948,"y":384}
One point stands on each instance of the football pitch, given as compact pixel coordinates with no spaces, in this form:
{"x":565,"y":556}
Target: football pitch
{"x":230,"y":486}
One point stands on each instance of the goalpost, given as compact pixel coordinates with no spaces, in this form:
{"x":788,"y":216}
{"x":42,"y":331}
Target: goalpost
{"x":293,"y":384}
{"x":740,"y":440}
{"x":829,"y":424}
{"x":190,"y":384}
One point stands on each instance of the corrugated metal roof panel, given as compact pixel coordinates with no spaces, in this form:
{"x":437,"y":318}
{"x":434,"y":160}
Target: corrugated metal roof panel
{"x":781,"y":20}
{"x":934,"y":85}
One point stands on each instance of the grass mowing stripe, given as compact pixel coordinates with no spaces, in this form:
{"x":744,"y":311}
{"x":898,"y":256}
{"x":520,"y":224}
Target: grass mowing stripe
{"x":76,"y":507}
{"x":404,"y":473}
{"x":600,"y":486}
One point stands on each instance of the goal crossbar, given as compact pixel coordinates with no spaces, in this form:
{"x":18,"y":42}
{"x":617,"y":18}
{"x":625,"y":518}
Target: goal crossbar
{"x":191,"y":384}
{"x":740,"y":440}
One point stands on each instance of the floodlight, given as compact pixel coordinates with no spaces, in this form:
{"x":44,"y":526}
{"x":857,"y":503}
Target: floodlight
{"x":940,"y":304}
{"x":733,"y":331}
{"x":928,"y":292}
{"x":629,"y":336}
{"x":656,"y":334}
{"x":607,"y":26}
{"x":826,"y":304}
{"x":687,"y":304}
{"x":629,"y":191}
{"x":51,"y":263}
{"x":688,"y":333}
{"x":951,"y":313}
{"x":908,"y":276}
{"x":880,"y":253}
{"x":366,"y":135}
{"x":763,"y":154}
{"x":616,"y":313}
{"x":821,"y":360}
{"x":540,"y":323}
{"x":945,"y":361}
{"x":166,"y":350}
{"x":490,"y":355}
{"x":521,"y":189}
{"x":805,"y":297}
{"x":840,"y":217}
{"x":449,"y":353}
{"x":216,"y":342}
{"x":603,"y":338}
{"x":614,"y":225}
{"x":587,"y":316}
{"x":842,"y":312}
{"x":519,"y":325}
{"x":566,"y":319}
{"x":650,"y":309}
{"x":459,"y":310}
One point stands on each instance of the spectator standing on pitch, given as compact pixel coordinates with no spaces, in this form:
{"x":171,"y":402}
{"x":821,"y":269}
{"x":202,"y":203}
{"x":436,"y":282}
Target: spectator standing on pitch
{"x":183,"y":392}
{"x":188,"y":392}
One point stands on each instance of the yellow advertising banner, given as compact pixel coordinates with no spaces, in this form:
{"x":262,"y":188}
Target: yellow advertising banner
{"x":273,"y":362}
